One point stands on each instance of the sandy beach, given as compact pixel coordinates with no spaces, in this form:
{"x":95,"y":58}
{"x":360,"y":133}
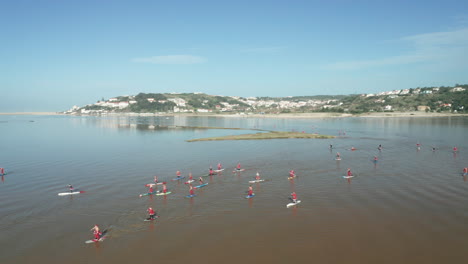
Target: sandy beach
{"x":344,"y":115}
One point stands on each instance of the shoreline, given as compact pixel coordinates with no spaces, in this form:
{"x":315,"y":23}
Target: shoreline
{"x":287,"y":116}
{"x":32,"y":113}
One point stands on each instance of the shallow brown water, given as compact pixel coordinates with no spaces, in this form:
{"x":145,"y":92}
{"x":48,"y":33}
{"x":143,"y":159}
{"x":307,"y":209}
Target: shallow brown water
{"x":409,"y":207}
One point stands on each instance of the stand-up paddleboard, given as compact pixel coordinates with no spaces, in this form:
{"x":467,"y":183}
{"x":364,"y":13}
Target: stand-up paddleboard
{"x":178,"y":178}
{"x":214,"y":172}
{"x":161,"y":193}
{"x":290,"y":178}
{"x":293,"y":204}
{"x":236,"y":170}
{"x":103,"y":236}
{"x":201,"y":185}
{"x":254,"y":181}
{"x":190,"y":196}
{"x":95,"y":240}
{"x":70,"y":193}
{"x":189,"y":181}
{"x":153,"y":184}
{"x":145,"y":194}
{"x":348,"y":177}
{"x":250,"y":196}
{"x":151,"y":219}
{"x":337,"y":158}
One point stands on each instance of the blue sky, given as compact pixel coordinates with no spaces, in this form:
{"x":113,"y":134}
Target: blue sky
{"x":56,"y":54}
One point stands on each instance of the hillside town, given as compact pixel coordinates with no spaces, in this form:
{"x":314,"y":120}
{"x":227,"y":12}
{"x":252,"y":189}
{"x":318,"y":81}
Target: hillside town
{"x":419,"y":99}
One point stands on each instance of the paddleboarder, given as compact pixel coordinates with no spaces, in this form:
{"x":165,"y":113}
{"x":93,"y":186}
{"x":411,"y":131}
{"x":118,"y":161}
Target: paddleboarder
{"x":164,"y":188}
{"x":294,"y":197}
{"x":238,"y":166}
{"x":155,"y":179}
{"x":191,"y":191}
{"x":349,"y":173}
{"x":455,"y":149}
{"x":379,"y":147}
{"x":96,"y":232}
{"x":292,"y":174}
{"x":220,"y":166}
{"x":250,"y":191}
{"x":338,"y":155}
{"x":151,"y":213}
{"x":178,"y":173}
{"x":376,"y":159}
{"x":465,"y":171}
{"x":70,"y":187}
{"x":2,"y":171}
{"x":190,"y":177}
{"x":200,"y":180}
{"x":211,"y":171}
{"x":257,"y":176}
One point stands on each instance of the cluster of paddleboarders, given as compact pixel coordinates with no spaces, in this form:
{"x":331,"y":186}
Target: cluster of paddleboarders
{"x":199,"y":183}
{"x":192,"y":185}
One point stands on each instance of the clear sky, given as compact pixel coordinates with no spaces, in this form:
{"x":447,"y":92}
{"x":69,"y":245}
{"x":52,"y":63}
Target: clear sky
{"x":56,"y":54}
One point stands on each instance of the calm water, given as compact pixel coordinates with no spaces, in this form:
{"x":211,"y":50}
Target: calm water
{"x":410,"y":207}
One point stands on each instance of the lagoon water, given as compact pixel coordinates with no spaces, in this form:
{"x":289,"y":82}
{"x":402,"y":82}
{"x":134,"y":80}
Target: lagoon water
{"x":409,"y":207}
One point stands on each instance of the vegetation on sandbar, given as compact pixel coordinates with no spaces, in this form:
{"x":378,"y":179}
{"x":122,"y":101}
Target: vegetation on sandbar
{"x":267,"y":135}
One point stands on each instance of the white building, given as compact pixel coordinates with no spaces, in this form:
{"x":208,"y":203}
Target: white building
{"x":124,"y":104}
{"x":404,"y":91}
{"x":458,"y":89}
{"x":178,"y":101}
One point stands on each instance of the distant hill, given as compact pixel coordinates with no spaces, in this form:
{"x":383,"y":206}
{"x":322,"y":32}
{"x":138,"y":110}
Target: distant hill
{"x":453,"y":99}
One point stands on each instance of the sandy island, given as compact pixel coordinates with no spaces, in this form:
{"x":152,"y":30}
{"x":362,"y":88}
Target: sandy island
{"x":267,"y":135}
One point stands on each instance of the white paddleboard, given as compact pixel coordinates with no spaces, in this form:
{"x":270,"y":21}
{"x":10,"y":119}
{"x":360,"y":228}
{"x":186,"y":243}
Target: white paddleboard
{"x":95,"y":240}
{"x":293,"y":204}
{"x":149,"y":219}
{"x":254,"y":181}
{"x":153,"y":184}
{"x":70,"y":193}
{"x":347,"y":177}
